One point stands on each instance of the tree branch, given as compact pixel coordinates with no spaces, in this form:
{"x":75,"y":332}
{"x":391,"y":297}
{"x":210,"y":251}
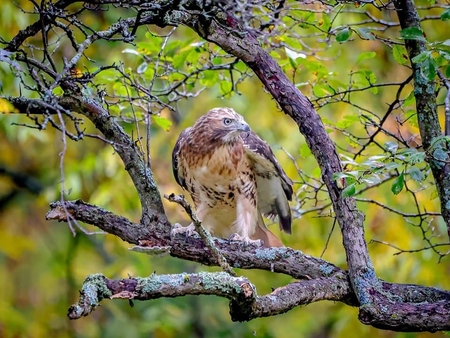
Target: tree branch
{"x":425,"y":94}
{"x":152,"y":208}
{"x":244,"y":302}
{"x":238,"y":254}
{"x":320,"y":279}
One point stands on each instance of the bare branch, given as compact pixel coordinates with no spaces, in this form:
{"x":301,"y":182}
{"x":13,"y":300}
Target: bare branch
{"x":245,"y":304}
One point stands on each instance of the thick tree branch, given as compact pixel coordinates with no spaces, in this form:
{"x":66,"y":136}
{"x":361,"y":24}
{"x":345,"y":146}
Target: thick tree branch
{"x":97,"y":287}
{"x":320,"y":279}
{"x":244,"y":305}
{"x":238,"y":254}
{"x":425,"y":94}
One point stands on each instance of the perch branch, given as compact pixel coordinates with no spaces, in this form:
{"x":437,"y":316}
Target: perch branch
{"x":238,"y":254}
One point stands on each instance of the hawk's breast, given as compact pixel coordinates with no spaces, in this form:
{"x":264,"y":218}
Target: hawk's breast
{"x":213,"y":180}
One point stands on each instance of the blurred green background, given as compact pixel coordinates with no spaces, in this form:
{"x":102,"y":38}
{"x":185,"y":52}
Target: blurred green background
{"x":42,"y":265}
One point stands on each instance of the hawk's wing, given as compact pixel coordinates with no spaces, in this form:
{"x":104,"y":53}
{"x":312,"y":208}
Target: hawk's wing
{"x":179,"y":174}
{"x":274,"y":187}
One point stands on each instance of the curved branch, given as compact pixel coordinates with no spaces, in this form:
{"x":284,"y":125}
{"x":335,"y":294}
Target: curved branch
{"x":244,"y":305}
{"x":97,"y":287}
{"x":152,"y":208}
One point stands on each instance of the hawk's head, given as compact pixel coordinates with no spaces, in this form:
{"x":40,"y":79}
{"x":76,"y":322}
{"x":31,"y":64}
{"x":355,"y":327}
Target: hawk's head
{"x":222,"y":124}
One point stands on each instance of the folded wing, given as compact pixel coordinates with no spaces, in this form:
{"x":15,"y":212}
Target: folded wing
{"x":274,"y":187}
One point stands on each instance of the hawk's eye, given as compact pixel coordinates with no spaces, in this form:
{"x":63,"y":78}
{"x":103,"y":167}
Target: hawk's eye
{"x":226,"y":121}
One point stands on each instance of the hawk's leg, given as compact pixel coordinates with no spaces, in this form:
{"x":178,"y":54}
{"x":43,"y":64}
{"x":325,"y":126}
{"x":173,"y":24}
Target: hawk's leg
{"x":179,"y":229}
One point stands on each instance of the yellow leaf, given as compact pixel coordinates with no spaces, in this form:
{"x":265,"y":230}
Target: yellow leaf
{"x":6,"y":107}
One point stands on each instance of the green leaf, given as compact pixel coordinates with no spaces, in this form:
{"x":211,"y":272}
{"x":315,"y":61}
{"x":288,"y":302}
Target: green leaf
{"x":392,"y":165}
{"x":412,"y":33}
{"x":447,"y":71}
{"x":429,"y":68}
{"x":366,"y":55}
{"x":162,"y":122}
{"x":294,"y":43}
{"x":347,"y":121}
{"x":391,"y":146}
{"x":372,"y":179}
{"x":398,"y":184}
{"x":440,"y":155}
{"x":174,"y":47}
{"x":194,"y":56}
{"x":421,"y":57}
{"x":365,"y":33}
{"x":174,"y":77}
{"x":326,"y":22}
{"x":210,"y":78}
{"x":217,"y":61}
{"x":241,"y":67}
{"x":293,"y":55}
{"x":417,"y":157}
{"x":444,"y":53}
{"x":340,"y":175}
{"x":409,"y":100}
{"x":180,"y":58}
{"x":304,"y":150}
{"x":343,"y":35}
{"x":315,"y":67}
{"x":226,"y":87}
{"x":439,"y":140}
{"x":349,"y":190}
{"x":365,"y":77}
{"x":373,"y":164}
{"x":142,"y":68}
{"x":446,"y":15}
{"x":400,"y":54}
{"x":416,"y":174}
{"x":321,"y":90}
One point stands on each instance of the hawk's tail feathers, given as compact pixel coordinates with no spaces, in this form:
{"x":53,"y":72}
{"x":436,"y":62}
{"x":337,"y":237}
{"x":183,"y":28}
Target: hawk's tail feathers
{"x":261,"y":232}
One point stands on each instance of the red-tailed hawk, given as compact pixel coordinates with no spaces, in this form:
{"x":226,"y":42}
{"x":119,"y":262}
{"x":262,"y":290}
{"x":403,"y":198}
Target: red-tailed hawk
{"x":233,"y":177}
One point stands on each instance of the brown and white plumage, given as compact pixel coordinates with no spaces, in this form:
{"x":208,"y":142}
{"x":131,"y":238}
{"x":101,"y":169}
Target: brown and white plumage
{"x":233,"y":177}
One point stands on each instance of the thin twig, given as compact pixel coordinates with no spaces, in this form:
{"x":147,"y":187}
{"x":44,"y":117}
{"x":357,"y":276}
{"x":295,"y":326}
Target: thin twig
{"x":204,"y":234}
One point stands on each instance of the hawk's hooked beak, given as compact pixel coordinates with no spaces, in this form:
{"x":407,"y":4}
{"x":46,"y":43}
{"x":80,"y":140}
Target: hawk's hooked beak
{"x":243,"y":127}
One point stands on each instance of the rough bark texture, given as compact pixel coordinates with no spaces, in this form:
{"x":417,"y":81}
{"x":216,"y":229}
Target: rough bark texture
{"x":383,"y":305}
{"x":424,"y":92}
